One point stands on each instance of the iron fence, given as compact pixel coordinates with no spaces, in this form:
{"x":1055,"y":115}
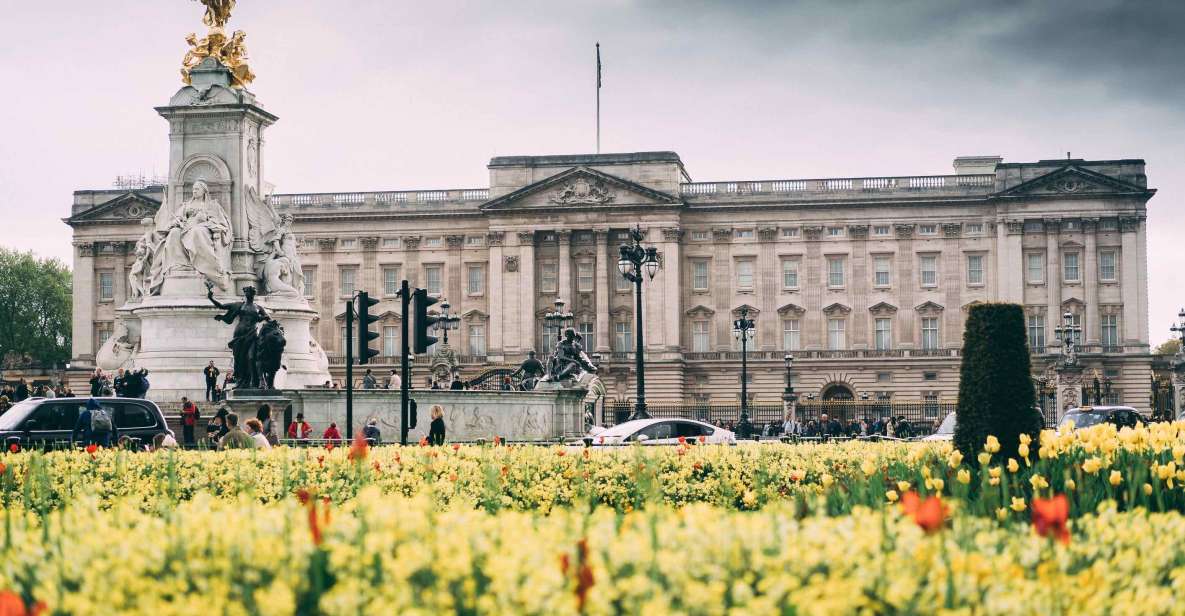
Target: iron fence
{"x":617,"y":411}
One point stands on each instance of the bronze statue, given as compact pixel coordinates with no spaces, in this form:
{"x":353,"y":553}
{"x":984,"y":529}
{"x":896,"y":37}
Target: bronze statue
{"x":266,"y":353}
{"x":248,"y":315}
{"x":531,"y":370}
{"x":568,"y":360}
{"x":230,"y":51}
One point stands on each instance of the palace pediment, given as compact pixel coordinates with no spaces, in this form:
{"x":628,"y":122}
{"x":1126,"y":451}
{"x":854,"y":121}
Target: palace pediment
{"x":1072,"y":180}
{"x":581,"y":188}
{"x":129,"y":207}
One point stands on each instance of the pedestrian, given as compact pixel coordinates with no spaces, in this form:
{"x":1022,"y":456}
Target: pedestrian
{"x":264,"y":415}
{"x":299,"y":429}
{"x":433,"y":384}
{"x":791,"y":427}
{"x":393,"y":381}
{"x":436,"y":430}
{"x":235,"y":438}
{"x":457,"y":383}
{"x":96,"y":383}
{"x":228,"y":380}
{"x":255,"y":431}
{"x":163,"y":440}
{"x":507,"y":384}
{"x":22,"y":390}
{"x":332,"y":434}
{"x":217,"y":427}
{"x":48,"y":392}
{"x":211,"y":373}
{"x":189,"y":419}
{"x":371,"y":431}
{"x":94,"y":426}
{"x":368,"y":380}
{"x":120,"y":383}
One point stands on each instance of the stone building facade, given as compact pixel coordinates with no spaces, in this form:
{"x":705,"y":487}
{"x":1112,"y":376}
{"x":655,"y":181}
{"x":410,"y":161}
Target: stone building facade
{"x":866,"y":281}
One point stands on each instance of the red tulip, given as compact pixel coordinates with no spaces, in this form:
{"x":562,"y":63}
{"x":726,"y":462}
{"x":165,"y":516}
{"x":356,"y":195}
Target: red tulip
{"x":1049,"y":517}
{"x":358,"y":448}
{"x":91,"y":449}
{"x":11,"y":604}
{"x":929,"y":514}
{"x":14,"y":448}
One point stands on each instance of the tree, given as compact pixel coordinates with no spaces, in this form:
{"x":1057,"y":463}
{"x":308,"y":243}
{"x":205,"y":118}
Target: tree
{"x":996,"y":394}
{"x":1168,"y":347}
{"x":35,"y":309}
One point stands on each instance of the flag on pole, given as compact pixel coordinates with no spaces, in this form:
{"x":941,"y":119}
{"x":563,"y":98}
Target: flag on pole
{"x":598,"y":66}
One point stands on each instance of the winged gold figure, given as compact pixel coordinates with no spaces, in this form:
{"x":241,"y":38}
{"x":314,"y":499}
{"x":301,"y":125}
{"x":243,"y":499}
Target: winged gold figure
{"x":217,"y":12}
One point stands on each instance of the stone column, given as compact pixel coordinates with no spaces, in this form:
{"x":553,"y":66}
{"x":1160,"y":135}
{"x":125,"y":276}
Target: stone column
{"x":368,"y":278}
{"x":1069,"y":387}
{"x":526,"y":290}
{"x":1091,"y":326}
{"x":859,"y":288}
{"x":605,"y":269}
{"x":498,"y":312}
{"x":82,"y":339}
{"x":1053,"y":274}
{"x":907,"y":285}
{"x":1134,"y":261}
{"x":1010,"y":261}
{"x":672,"y":288}
{"x":1179,"y":382}
{"x":455,"y":278}
{"x":411,"y":260}
{"x":953,"y":281}
{"x":722,"y":291}
{"x":564,"y":286}
{"x":120,"y":273}
{"x":653,"y":314}
{"x":329,"y":336}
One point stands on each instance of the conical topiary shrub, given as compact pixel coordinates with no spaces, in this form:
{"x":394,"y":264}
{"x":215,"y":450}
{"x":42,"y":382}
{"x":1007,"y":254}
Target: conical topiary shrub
{"x":996,"y":395}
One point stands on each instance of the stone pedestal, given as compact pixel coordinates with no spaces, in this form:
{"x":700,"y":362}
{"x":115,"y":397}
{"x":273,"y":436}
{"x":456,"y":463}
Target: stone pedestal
{"x":1069,"y":388}
{"x":246,"y":402}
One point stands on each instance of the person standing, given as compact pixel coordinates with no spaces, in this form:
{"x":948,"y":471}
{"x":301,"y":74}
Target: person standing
{"x":22,"y":390}
{"x":299,"y":429}
{"x":96,"y":383}
{"x":436,"y":430}
{"x":371,"y":431}
{"x":368,"y":380}
{"x":95,"y":426}
{"x":268,"y":425}
{"x":235,"y":438}
{"x":120,"y":383}
{"x":211,"y":373}
{"x":393,"y":381}
{"x":189,"y":419}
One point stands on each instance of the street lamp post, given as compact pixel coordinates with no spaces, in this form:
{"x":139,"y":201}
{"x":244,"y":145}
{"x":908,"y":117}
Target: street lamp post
{"x":789,"y":398}
{"x":634,"y":259}
{"x":557,"y":319}
{"x":446,"y":321}
{"x":1179,"y":329}
{"x":1067,"y":333}
{"x":741,"y":330}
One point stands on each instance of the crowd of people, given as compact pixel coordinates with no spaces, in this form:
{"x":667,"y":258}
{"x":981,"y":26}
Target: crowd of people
{"x":823,"y":427}
{"x":23,"y":390}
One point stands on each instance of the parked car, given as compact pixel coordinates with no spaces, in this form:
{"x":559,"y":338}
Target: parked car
{"x":945,"y":431}
{"x":658,"y":431}
{"x":1087,"y":416}
{"x":42,"y":422}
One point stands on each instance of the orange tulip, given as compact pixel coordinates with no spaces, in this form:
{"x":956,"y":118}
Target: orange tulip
{"x":1049,"y":517}
{"x":929,"y":514}
{"x":358,"y":448}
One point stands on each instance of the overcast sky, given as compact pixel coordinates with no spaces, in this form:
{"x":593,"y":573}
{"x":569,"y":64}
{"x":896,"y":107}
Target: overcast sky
{"x":377,"y":94}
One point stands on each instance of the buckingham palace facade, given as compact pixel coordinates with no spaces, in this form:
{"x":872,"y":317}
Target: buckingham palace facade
{"x":866,"y":281}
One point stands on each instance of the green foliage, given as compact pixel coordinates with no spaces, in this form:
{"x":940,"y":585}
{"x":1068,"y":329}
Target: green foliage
{"x":35,"y":309}
{"x":996,"y":394}
{"x":1168,"y":347}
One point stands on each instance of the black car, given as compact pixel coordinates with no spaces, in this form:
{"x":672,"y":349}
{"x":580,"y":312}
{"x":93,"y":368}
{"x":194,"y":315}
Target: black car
{"x":46,"y":422}
{"x":1087,"y":416}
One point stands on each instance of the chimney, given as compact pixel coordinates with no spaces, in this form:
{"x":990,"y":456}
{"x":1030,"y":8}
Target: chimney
{"x":973,"y":165}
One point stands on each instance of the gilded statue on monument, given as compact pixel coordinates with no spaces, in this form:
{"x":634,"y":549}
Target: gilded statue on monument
{"x":230,"y":52}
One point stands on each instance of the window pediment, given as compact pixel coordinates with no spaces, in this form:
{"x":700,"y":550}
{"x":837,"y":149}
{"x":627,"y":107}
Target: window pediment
{"x":791,"y":310}
{"x":883,"y":309}
{"x":700,"y":311}
{"x":736,"y":312}
{"x":929,"y":309}
{"x":837,"y":309}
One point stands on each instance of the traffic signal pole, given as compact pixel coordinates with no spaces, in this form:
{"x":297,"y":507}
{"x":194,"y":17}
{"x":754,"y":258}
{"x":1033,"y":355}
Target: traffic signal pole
{"x":404,"y":364}
{"x":350,"y":367}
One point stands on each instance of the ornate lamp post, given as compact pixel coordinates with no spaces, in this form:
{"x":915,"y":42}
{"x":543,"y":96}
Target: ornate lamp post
{"x":741,"y":330}
{"x":1179,"y":329}
{"x":446,"y":321}
{"x":635,"y":259}
{"x":557,"y":319}
{"x":1067,"y":332}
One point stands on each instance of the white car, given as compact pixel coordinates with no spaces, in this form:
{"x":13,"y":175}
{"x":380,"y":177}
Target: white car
{"x":945,"y":431}
{"x":659,"y":431}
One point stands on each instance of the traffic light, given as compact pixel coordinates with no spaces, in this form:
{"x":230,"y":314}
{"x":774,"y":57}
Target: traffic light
{"x":421,"y":301}
{"x":365,"y":302}
{"x":411,"y":414}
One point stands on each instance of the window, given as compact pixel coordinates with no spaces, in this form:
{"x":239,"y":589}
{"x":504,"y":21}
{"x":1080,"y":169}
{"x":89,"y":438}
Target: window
{"x":103,"y":332}
{"x":588,"y":331}
{"x":929,"y":333}
{"x":836,"y":334}
{"x":835,"y":271}
{"x":584,"y":276}
{"x":344,"y":341}
{"x":550,"y":334}
{"x":927,"y":229}
{"x":1107,"y":262}
{"x":391,"y":281}
{"x":929,"y":376}
{"x":623,"y":284}
{"x":477,"y":340}
{"x":880,"y":230}
{"x":623,"y":340}
{"x":1109,"y":224}
{"x":432,"y":242}
{"x":880,"y":269}
{"x":106,"y":286}
{"x":884,"y":334}
{"x":347,"y":276}
{"x":744,"y":274}
{"x":931,"y":405}
{"x":791,"y":340}
{"x":1076,"y":321}
{"x":790,"y":274}
{"x":1034,"y":226}
{"x":1037,"y":333}
{"x":1110,"y":330}
{"x":1035,"y":267}
{"x":128,"y":415}
{"x":699,"y":336}
{"x":548,"y":276}
{"x":310,"y":280}
{"x":929,"y":268}
{"x":699,"y":275}
{"x":744,"y":234}
{"x":790,"y":231}
{"x":432,"y":279}
{"x":699,"y":235}
{"x":975,"y":269}
{"x":884,"y":377}
{"x":391,"y":341}
{"x":474,"y":240}
{"x":390,"y":242}
{"x":834,"y":231}
{"x":1070,"y":271}
{"x":348,"y":244}
{"x":476,"y":278}
{"x":973,"y":228}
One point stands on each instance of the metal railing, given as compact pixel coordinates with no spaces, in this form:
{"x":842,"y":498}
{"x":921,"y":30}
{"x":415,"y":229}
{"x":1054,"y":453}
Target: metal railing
{"x":617,"y":411}
{"x":974,"y":183}
{"x":378,"y":198}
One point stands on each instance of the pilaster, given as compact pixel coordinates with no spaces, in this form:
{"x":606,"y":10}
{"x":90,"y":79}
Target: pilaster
{"x":601,"y":238}
{"x":525,"y":337}
{"x":497,"y":275}
{"x":82,"y":340}
{"x":564,"y":285}
{"x":672,"y":285}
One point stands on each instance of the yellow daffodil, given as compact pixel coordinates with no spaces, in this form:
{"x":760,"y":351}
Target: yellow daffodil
{"x":1018,"y":504}
{"x":1038,"y":482}
{"x":868,"y":468}
{"x":954,"y":459}
{"x":992,"y":445}
{"x":964,"y":476}
{"x":1147,"y":489}
{"x":1116,"y":478}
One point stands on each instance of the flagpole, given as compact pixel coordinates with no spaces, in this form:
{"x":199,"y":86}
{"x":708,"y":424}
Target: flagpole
{"x":598,"y":98}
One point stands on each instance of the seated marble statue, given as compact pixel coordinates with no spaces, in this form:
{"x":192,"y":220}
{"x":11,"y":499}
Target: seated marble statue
{"x":199,"y":236}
